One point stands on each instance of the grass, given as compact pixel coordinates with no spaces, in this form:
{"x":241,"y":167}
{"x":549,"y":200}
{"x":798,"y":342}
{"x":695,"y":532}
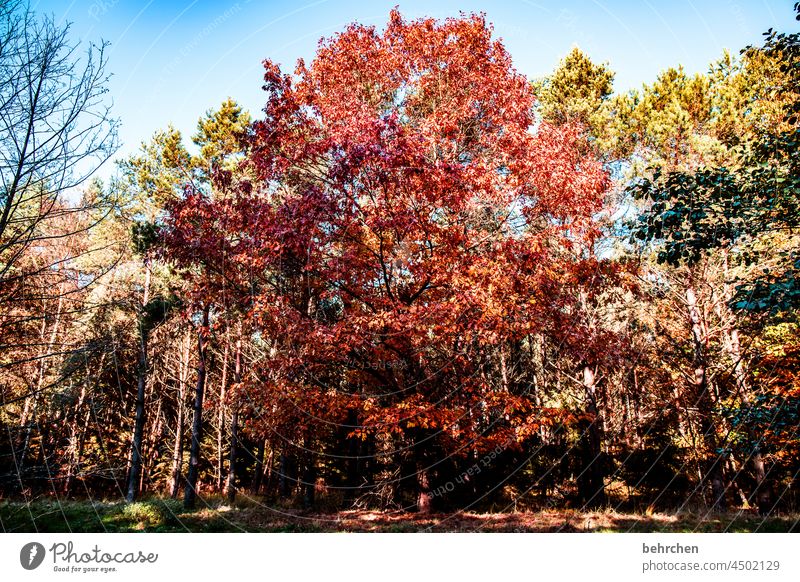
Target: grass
{"x":249,"y":515}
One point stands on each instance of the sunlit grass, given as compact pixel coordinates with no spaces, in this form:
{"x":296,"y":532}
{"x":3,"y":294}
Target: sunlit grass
{"x":215,"y":515}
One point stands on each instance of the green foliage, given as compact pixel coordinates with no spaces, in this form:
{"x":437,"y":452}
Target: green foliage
{"x":158,"y":310}
{"x":221,"y":135}
{"x":692,"y":213}
{"x":156,"y":174}
{"x":576,"y":92}
{"x":771,"y":293}
{"x":668,"y":124}
{"x":143,"y":236}
{"x":776,"y":414}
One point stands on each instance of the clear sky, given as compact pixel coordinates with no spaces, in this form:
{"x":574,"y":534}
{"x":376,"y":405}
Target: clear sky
{"x":173,"y":60}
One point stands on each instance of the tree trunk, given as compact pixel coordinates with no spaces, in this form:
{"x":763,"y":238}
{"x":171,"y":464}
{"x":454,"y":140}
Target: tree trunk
{"x":138,"y":430}
{"x":422,"y":459}
{"x":190,"y":494}
{"x":424,"y":496}
{"x":237,"y":378}
{"x":77,"y":432}
{"x":223,"y":385}
{"x":177,"y":451}
{"x":44,"y":355}
{"x":138,"y":427}
{"x":151,"y":446}
{"x":761,"y":494}
{"x":353,"y":461}
{"x":269,"y":470}
{"x":285,"y":479}
{"x":309,"y":477}
{"x":714,"y":461}
{"x":230,"y":486}
{"x":591,"y":481}
{"x":258,"y":471}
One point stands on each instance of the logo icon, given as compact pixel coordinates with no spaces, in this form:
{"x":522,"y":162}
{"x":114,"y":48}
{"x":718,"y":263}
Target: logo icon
{"x":31,"y":555}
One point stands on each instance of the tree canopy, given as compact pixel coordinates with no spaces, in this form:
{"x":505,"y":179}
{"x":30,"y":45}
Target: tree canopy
{"x":416,"y":279}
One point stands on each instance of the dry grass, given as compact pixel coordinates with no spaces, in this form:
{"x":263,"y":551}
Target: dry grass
{"x":159,"y":515}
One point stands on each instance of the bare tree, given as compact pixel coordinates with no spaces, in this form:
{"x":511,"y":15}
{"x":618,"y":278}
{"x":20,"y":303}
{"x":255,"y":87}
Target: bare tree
{"x":55,"y":131}
{"x":55,"y":124}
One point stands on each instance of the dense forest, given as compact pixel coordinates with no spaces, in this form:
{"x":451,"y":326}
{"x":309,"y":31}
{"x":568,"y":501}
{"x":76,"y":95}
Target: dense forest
{"x":415,"y":280}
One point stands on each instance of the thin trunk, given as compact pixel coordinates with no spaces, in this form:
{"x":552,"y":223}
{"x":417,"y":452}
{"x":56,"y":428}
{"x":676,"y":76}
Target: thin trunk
{"x":177,"y":451}
{"x":190,"y":494}
{"x":637,"y":409}
{"x":626,"y":418}
{"x":230,"y":486}
{"x":591,"y":482}
{"x":269,"y":470}
{"x":714,"y":464}
{"x":352,"y":463}
{"x":503,"y":369}
{"x":285,"y":480}
{"x":77,"y":432}
{"x":136,"y":444}
{"x":154,"y":437}
{"x":422,"y":458}
{"x":138,"y":430}
{"x":309,"y":479}
{"x":223,"y":385}
{"x":237,"y":378}
{"x":739,"y":493}
{"x":33,"y":410}
{"x":82,"y":438}
{"x":761,"y":494}
{"x":258,"y":471}
{"x":424,"y":496}
{"x":537,"y":348}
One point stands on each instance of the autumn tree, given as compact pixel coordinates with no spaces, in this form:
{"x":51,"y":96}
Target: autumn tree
{"x":417,"y":280}
{"x":210,"y":303}
{"x":56,"y":131}
{"x":735,"y":213}
{"x":149,"y":179}
{"x":404,"y":223}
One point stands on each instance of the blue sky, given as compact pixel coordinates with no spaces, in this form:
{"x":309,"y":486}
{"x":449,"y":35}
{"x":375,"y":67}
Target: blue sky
{"x":171,"y":61}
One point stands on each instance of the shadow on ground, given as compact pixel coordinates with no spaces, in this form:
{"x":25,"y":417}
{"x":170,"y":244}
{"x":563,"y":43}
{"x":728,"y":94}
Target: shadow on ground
{"x":167,"y":515}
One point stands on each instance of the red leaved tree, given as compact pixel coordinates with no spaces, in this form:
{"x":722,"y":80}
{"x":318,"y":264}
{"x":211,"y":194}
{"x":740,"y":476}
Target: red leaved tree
{"x":407,"y":221}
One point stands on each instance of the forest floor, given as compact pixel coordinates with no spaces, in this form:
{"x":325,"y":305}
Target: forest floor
{"x":160,"y":515}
